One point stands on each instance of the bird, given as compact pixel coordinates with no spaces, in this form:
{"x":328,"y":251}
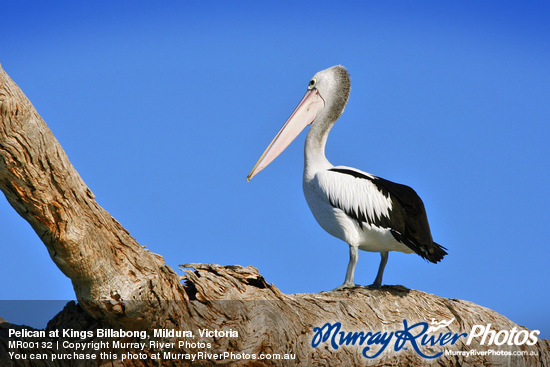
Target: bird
{"x":436,"y":325}
{"x":367,"y":212}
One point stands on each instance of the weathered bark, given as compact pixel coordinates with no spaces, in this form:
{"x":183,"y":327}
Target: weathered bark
{"x":118,"y":283}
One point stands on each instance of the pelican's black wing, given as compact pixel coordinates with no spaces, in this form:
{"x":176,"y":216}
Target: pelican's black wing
{"x":407,"y":218}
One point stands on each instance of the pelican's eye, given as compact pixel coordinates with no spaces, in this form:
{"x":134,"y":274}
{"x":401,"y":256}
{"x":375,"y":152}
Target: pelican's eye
{"x":312,"y":83}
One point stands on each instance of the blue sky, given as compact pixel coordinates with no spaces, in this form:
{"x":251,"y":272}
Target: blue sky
{"x":164,"y":109}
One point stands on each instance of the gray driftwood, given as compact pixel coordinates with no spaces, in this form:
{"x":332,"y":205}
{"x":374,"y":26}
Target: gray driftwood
{"x":119,"y":283}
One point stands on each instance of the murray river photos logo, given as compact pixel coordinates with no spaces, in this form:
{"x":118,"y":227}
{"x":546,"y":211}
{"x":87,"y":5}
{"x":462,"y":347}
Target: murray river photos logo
{"x":419,"y":337}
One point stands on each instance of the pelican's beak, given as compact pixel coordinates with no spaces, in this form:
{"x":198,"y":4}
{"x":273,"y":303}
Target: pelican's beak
{"x":303,"y":115}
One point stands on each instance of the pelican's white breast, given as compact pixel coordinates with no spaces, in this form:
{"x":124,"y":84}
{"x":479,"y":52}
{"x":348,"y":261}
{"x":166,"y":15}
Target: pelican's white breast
{"x":332,"y":195}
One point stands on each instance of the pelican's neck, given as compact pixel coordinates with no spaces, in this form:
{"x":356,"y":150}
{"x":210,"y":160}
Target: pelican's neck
{"x":316,"y":140}
{"x":335,"y":93}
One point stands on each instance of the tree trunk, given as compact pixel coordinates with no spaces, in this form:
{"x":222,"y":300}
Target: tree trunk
{"x":108,"y":268}
{"x":120,"y":284}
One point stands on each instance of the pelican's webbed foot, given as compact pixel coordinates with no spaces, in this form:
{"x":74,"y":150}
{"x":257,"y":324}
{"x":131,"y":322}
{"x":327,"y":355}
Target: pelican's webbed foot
{"x":346,"y":286}
{"x":374,"y":285}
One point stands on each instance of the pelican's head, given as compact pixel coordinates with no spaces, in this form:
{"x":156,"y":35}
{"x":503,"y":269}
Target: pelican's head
{"x":333,"y":85}
{"x":327,"y":91}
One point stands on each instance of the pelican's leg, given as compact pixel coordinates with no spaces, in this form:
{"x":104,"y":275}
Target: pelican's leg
{"x":378,"y":281}
{"x":350,"y":274}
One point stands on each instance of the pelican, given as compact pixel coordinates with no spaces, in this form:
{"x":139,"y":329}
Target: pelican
{"x":367,"y":212}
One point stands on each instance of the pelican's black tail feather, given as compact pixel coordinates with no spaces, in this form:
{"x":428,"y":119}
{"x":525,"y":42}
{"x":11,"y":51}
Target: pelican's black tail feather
{"x":433,"y":252}
{"x":436,"y":252}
